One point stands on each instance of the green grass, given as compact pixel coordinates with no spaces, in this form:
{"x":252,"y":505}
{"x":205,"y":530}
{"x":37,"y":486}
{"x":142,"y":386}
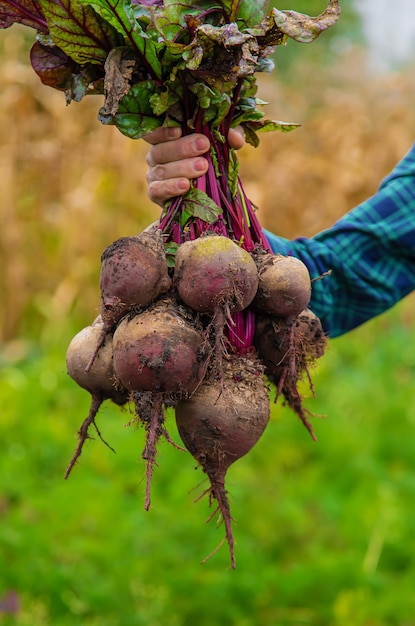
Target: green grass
{"x":324,"y":530}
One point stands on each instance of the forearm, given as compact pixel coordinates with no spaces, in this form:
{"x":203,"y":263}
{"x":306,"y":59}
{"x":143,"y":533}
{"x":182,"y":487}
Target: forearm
{"x":370,"y":253}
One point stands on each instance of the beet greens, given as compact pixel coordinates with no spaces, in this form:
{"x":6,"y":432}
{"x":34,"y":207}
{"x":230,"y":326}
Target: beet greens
{"x":177,"y":62}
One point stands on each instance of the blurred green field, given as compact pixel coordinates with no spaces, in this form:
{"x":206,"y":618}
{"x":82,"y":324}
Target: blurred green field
{"x":324,"y":530}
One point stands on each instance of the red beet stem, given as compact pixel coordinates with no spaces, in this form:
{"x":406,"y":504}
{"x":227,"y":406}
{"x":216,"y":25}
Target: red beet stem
{"x":237,"y":221}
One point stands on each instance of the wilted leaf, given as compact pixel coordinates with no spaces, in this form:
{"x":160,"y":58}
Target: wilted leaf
{"x":304,"y":28}
{"x":119,"y":70}
{"x":227,"y":36}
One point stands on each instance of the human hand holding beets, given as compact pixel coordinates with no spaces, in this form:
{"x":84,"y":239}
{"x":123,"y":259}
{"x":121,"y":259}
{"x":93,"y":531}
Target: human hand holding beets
{"x":174,"y":160}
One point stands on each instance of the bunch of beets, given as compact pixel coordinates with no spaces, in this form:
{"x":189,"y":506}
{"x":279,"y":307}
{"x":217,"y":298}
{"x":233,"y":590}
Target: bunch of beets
{"x":196,"y":313}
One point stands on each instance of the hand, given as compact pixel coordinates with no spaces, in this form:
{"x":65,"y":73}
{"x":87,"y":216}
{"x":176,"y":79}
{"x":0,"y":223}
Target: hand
{"x":174,"y":160}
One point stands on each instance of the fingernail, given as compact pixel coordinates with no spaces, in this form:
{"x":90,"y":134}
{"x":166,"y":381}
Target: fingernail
{"x":200,"y":165}
{"x":182,"y":184}
{"x":174,"y":132}
{"x":201,"y":144}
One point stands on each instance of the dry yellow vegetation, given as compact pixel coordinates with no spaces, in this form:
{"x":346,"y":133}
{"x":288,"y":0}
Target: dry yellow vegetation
{"x":71,"y":186}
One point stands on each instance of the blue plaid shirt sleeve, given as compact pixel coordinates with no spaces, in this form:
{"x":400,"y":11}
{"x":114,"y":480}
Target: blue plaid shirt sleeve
{"x":370,"y":253}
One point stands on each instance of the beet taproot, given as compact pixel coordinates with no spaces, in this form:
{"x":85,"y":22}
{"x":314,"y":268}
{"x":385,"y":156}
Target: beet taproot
{"x":161,"y":349}
{"x":284,"y":286}
{"x":221,"y":422}
{"x":273,"y":339}
{"x":160,"y":355}
{"x":213,"y":272}
{"x":99,"y":380}
{"x":288,"y":350}
{"x":134,"y":273}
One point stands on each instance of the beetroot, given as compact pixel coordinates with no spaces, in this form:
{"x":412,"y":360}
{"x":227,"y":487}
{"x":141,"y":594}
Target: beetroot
{"x":221,"y":422}
{"x":276,"y":339}
{"x":161,"y":355}
{"x":288,"y":350}
{"x":134,"y":273}
{"x":213,"y":272}
{"x":284,"y":287}
{"x":160,"y":350}
{"x":272,"y":340}
{"x":99,"y":380}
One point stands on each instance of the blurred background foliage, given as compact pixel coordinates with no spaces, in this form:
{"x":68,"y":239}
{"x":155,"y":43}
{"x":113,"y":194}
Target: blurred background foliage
{"x":324,"y":531}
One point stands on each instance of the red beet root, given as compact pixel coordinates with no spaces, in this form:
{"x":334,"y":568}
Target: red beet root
{"x":213,"y":272}
{"x":288,"y":349}
{"x":99,"y":380}
{"x":284,"y":287}
{"x":133,"y":274}
{"x":160,"y":350}
{"x":221,"y":422}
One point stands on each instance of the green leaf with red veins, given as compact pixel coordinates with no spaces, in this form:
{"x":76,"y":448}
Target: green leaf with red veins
{"x":197,"y":204}
{"x":304,"y":28}
{"x":26,"y":12}
{"x":267,"y":126}
{"x":163,"y":100}
{"x":249,"y":13}
{"x":181,"y":17}
{"x":135,"y":117}
{"x":79,"y":31}
{"x":251,"y":129}
{"x":247,"y":113}
{"x":142,"y":14}
{"x":172,"y":58}
{"x":170,"y":250}
{"x":215,"y":102}
{"x":120,"y":15}
{"x":233,"y":172}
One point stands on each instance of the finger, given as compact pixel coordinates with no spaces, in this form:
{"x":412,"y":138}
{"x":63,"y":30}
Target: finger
{"x":161,"y":191}
{"x":185,"y":168}
{"x":236,"y":137}
{"x":186,"y":147}
{"x":162,"y":134}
